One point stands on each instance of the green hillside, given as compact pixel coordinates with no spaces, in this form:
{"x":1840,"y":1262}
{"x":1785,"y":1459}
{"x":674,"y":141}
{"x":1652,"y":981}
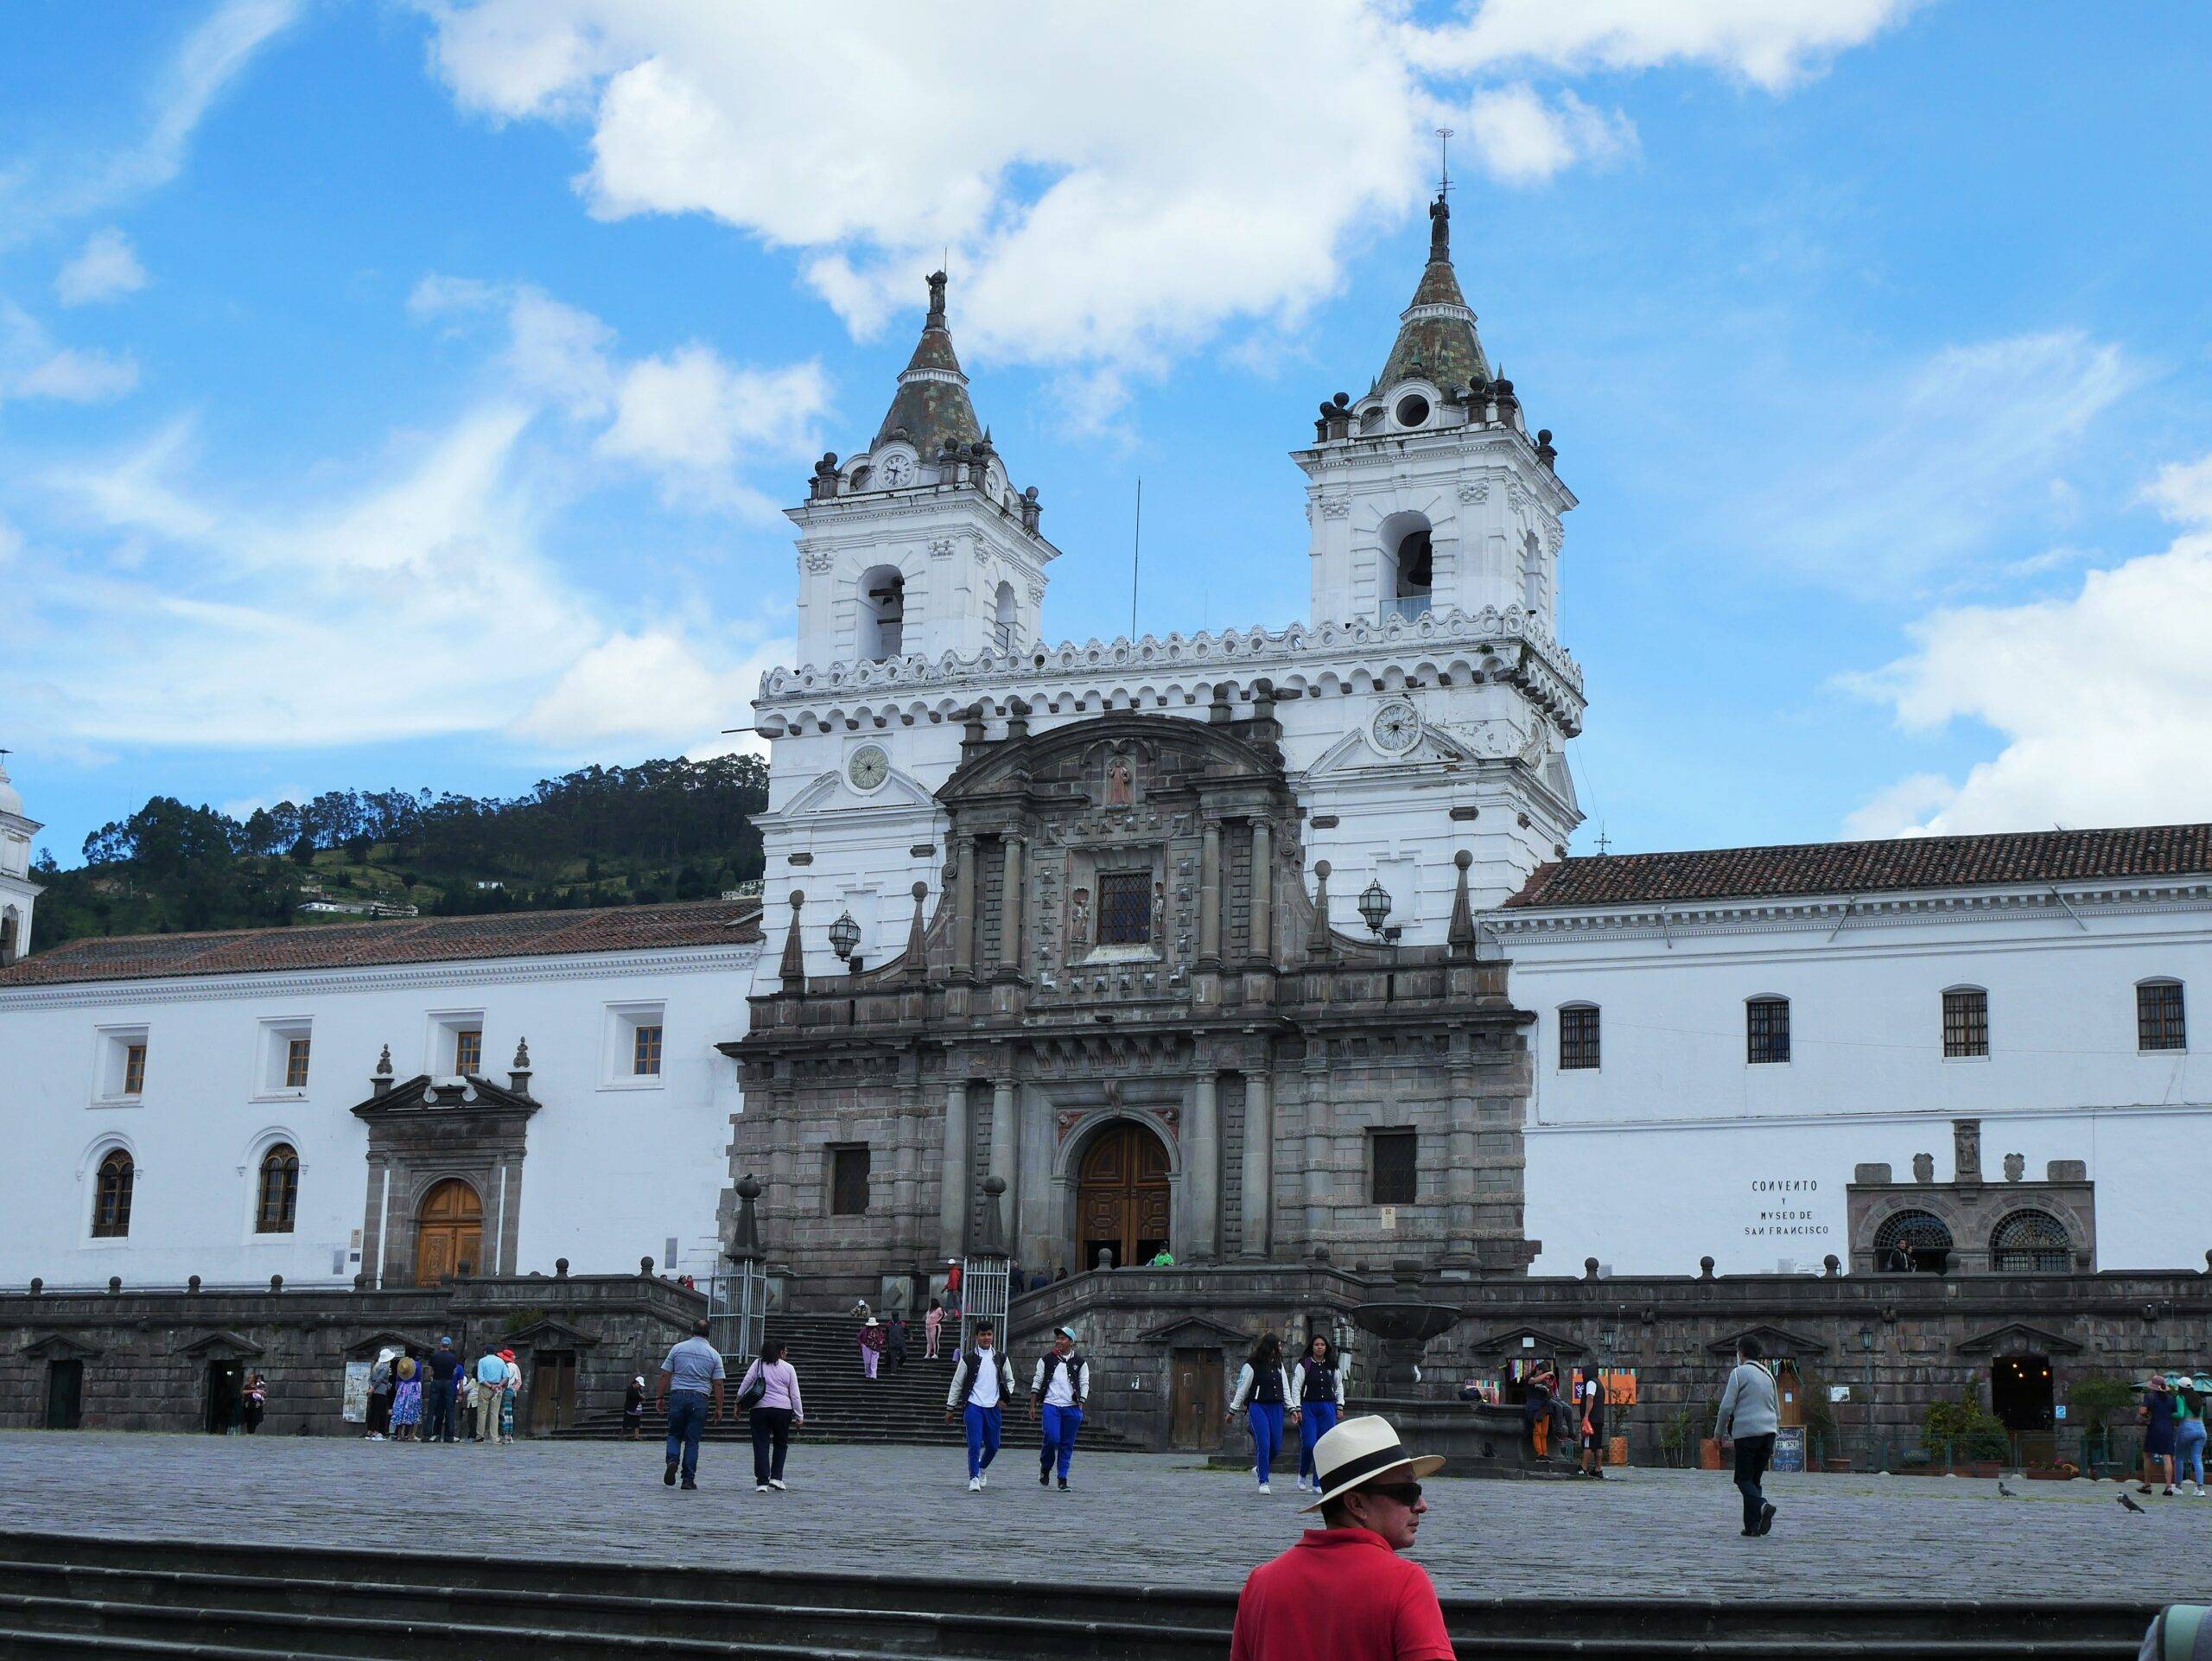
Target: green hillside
{"x":676,"y":830}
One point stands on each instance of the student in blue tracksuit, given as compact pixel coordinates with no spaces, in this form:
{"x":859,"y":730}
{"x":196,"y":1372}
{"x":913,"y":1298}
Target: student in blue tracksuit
{"x":1317,"y":1395}
{"x":1059,"y":1389}
{"x":1262,"y":1392}
{"x":981,"y":1385}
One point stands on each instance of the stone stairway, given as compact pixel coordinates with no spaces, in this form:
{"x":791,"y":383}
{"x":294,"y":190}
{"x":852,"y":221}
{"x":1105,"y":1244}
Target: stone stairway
{"x":901,"y":1404}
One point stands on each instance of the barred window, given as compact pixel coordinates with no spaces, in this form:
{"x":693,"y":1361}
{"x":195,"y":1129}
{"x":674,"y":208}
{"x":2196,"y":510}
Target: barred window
{"x":280,"y":1190}
{"x":2031,"y":1243}
{"x":111,"y":1196}
{"x":1396,"y":1182}
{"x":1766,"y":1029}
{"x":1912,"y":1243}
{"x":1124,"y":907}
{"x":2159,"y":1022}
{"x":1966,"y":1021}
{"x":1578,"y":1036}
{"x":849,"y":1168}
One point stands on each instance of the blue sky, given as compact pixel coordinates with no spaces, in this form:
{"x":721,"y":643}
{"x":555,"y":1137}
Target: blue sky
{"x":405,"y":394}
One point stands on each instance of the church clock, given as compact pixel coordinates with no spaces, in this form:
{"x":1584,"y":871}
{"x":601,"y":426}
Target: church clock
{"x":869,"y":767}
{"x":1396,"y":727}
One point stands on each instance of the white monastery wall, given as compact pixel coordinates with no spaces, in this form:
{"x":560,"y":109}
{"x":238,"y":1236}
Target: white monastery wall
{"x":615,"y":1165}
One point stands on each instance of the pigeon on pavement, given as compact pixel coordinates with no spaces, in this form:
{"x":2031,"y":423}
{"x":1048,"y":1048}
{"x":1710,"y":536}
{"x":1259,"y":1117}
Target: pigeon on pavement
{"x":2129,"y":1503}
{"x":2005,"y":1492}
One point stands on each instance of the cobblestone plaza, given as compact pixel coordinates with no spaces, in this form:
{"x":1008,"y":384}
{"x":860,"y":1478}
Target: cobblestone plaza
{"x":1139,"y":1518}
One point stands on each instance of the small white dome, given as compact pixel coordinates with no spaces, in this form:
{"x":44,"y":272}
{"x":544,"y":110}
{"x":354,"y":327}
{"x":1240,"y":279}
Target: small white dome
{"x":11,"y":799}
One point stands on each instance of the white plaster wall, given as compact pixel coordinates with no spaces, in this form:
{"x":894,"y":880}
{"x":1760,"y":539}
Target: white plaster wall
{"x":1648,"y":1162}
{"x":612,"y":1171}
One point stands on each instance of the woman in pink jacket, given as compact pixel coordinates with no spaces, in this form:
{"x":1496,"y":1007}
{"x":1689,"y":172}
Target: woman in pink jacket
{"x":775,"y":1414}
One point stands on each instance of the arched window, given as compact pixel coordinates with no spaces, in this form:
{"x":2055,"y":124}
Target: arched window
{"x":111,"y":1196}
{"x":2031,"y":1243}
{"x":279,"y":1190}
{"x":1002,"y":626}
{"x":882,"y":612}
{"x":1912,"y":1243}
{"x":1578,"y":1036}
{"x":10,"y":937}
{"x":1532,"y":573}
{"x":1408,"y":566}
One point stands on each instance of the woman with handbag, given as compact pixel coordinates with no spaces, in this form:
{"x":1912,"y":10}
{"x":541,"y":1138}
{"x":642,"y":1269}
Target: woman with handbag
{"x":769,"y":1393}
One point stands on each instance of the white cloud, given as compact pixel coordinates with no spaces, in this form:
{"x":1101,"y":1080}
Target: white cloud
{"x":1950,"y":456}
{"x":31,"y":365}
{"x":1523,"y":140}
{"x":1116,"y":184}
{"x":209,"y":59}
{"x":689,"y":419}
{"x":1772,"y":43}
{"x":2103,"y":700}
{"x":654,"y":686}
{"x":106,"y":268}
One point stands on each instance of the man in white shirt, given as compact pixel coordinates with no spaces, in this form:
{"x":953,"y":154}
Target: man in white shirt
{"x":1062,"y":1386}
{"x":981,"y":1384}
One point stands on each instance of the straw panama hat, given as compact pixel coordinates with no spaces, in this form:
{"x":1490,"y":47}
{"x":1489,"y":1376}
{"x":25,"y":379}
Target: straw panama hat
{"x":1359,"y":1451}
{"x":871,"y":1321}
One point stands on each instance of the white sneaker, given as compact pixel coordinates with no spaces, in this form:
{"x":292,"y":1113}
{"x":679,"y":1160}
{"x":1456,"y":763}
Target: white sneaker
{"x":759,"y":1487}
{"x":975,"y":1485}
{"x":1265,"y":1489}
{"x":984,"y":1480}
{"x":777,"y":1483}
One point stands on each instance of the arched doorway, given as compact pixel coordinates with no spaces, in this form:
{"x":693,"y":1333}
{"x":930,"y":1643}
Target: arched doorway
{"x":1121,"y":1196}
{"x":1913,"y":1243}
{"x":449,"y":1232}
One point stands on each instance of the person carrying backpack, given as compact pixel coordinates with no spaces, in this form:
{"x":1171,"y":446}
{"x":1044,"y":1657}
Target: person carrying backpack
{"x":1059,"y":1391}
{"x":983,"y":1384}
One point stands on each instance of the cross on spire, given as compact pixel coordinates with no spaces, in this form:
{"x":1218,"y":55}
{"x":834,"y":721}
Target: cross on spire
{"x":1443,"y":163}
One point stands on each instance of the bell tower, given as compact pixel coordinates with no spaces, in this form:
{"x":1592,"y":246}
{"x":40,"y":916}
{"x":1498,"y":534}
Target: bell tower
{"x":1429,"y":493}
{"x":17,"y":891}
{"x":919,"y":545}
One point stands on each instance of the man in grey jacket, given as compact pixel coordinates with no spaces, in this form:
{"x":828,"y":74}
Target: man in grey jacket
{"x":1749,"y":1417}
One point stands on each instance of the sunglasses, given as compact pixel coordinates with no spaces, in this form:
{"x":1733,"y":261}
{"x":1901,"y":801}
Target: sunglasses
{"x":1406,"y":1494}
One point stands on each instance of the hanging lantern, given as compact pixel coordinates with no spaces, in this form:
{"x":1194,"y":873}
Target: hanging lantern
{"x":1373,"y":906}
{"x":844,"y":935}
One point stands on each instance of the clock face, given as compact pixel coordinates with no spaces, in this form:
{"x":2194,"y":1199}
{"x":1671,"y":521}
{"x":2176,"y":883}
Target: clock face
{"x":896,"y":470}
{"x":1396,"y":728}
{"x":869,"y":767}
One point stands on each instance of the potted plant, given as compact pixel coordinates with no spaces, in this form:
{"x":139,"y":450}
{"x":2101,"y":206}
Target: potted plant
{"x":1973,"y":1438}
{"x":2092,"y":1400}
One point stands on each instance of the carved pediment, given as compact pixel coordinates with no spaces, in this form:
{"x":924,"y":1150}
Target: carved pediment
{"x":221,"y":1346}
{"x":1193,"y":1332}
{"x":58,"y":1346}
{"x":1775,"y":1343}
{"x":1509,"y":1342}
{"x":2017,"y":1338}
{"x":367,"y":1349}
{"x":550,"y":1334}
{"x":425,"y":1095}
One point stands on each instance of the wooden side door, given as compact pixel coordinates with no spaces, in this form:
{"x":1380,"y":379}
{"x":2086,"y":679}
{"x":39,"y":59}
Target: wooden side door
{"x":552,"y":1392}
{"x":1196,"y":1402}
{"x":65,"y":1395}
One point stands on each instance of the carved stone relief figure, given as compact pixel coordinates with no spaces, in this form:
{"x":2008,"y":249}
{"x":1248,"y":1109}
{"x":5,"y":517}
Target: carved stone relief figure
{"x":1119,"y":782}
{"x":1079,"y":920}
{"x":1966,"y":1150}
{"x":1923,"y":1167}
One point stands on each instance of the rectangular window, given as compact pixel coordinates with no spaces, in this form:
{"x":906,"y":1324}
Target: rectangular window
{"x":848,"y":1181}
{"x":1578,"y":1038}
{"x":1394,"y":1179}
{"x":2159,"y":1024}
{"x":468,"y":1050}
{"x":1965,"y":1022}
{"x":295,"y":1063}
{"x":1124,"y":907}
{"x":645,"y":1051}
{"x":134,"y":1069}
{"x":1766,"y":1030}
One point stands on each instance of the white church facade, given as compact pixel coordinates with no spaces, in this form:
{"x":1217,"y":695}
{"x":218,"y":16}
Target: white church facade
{"x":1261,"y":947}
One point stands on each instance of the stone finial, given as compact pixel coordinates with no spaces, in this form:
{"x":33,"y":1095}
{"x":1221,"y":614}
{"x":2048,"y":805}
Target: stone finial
{"x":745,"y":1224}
{"x":2208,"y":1269}
{"x":275,"y":1282}
{"x":1546,"y":451}
{"x":990,"y":1235}
{"x":1832,"y":1265}
{"x":792,"y":970}
{"x":361,"y":1280}
{"x":380,"y":1079}
{"x":2016,"y":1167}
{"x":917,"y":953}
{"x":1460,"y":937}
{"x":519,"y":1070}
{"x":1319,"y":942}
{"x":1589,"y":1269}
{"x":38,"y":1285}
{"x":646,"y":1267}
{"x":1923,"y":1167}
{"x":1704,"y":1269}
{"x":192,"y":1285}
{"x":1105,"y":1257}
{"x":560,"y":1268}
{"x":114,"y":1284}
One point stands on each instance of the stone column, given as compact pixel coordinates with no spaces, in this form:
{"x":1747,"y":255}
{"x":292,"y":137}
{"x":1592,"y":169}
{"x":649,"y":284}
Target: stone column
{"x":964,"y":908}
{"x":1259,"y":1164}
{"x":1006,"y":1146}
{"x":1201,"y":1230}
{"x":1461,"y":1175}
{"x":954,"y":1176}
{"x":1318,"y":1151}
{"x":1037,"y":1236}
{"x":1010,"y":915}
{"x":1209,"y":895}
{"x":1263,"y":891}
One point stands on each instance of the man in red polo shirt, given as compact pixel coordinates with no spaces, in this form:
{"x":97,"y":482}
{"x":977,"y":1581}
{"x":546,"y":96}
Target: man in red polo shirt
{"x":1343,"y":1593}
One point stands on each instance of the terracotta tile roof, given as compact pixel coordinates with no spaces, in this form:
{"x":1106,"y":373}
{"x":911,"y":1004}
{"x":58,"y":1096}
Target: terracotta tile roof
{"x":1856,"y":868}
{"x":419,"y":939}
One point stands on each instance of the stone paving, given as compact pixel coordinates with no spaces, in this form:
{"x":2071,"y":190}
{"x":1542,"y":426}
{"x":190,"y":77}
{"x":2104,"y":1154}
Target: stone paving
{"x":1150,"y":1519}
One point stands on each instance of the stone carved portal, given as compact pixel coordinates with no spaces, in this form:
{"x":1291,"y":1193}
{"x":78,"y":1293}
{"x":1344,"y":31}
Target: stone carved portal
{"x":1122,"y":1195}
